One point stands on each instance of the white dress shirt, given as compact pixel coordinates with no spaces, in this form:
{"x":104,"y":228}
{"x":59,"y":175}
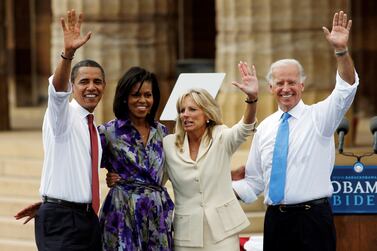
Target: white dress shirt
{"x":311,"y":150}
{"x":66,"y":170}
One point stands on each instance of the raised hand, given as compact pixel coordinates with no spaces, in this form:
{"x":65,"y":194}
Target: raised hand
{"x":71,"y":31}
{"x":338,"y":37}
{"x":249,"y":84}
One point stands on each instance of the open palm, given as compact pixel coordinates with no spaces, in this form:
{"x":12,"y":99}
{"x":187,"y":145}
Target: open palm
{"x":338,"y":37}
{"x":249,"y":84}
{"x":71,"y":30}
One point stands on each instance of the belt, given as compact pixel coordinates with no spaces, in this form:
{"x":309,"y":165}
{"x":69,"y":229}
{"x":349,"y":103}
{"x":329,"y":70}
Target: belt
{"x":300,"y":206}
{"x":74,"y":205}
{"x":140,"y":184}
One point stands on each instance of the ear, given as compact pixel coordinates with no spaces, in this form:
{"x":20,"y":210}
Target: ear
{"x":302,"y":87}
{"x":270,"y":88}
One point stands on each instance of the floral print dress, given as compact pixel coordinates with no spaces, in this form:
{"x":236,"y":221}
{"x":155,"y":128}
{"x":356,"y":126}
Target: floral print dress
{"x":137,"y":213}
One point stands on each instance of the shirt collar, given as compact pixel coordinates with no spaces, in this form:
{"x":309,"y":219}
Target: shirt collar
{"x":123,"y":123}
{"x":295,"y":112}
{"x":81,"y":110}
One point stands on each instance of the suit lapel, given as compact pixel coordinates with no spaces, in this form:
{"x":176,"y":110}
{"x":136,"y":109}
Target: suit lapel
{"x":203,"y":149}
{"x":185,"y":155}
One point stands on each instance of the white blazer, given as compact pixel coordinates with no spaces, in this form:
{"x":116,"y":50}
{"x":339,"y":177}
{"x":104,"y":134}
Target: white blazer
{"x":202,"y":187}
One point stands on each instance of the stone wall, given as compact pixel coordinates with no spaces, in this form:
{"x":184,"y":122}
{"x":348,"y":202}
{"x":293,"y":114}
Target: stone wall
{"x":127,"y":33}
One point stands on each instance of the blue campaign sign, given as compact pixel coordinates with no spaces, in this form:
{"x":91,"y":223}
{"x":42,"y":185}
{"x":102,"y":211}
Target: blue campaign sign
{"x":355,"y":189}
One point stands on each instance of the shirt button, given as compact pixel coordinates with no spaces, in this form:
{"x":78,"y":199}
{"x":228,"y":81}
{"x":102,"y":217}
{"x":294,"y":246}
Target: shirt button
{"x":197,"y":179}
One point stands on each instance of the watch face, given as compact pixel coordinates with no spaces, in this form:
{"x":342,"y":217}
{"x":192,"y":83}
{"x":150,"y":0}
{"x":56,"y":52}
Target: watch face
{"x":358,"y":167}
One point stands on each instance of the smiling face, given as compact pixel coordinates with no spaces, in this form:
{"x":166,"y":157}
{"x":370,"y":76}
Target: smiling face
{"x":286,"y":86}
{"x":88,"y":87}
{"x":192,"y":117}
{"x":140,"y":101}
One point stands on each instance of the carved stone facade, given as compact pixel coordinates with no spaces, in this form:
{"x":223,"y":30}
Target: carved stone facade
{"x":155,"y":34}
{"x":148,"y":33}
{"x":4,"y":103}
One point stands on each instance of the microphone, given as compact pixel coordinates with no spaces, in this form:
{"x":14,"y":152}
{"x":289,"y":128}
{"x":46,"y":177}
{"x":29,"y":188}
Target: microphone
{"x":343,"y":130}
{"x":373,"y":129}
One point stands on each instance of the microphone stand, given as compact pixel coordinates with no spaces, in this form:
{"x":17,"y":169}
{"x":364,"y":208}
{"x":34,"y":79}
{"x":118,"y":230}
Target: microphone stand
{"x":358,"y":163}
{"x":343,"y":128}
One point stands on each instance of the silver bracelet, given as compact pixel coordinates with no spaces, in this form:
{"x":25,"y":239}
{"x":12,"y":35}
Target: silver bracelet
{"x":341,"y":53}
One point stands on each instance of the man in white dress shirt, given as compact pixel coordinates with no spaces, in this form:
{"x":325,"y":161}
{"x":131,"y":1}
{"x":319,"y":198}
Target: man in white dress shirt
{"x":302,"y":219}
{"x":66,"y":220}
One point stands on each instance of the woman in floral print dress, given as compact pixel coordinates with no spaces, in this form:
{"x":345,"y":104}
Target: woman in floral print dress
{"x":137,"y":212}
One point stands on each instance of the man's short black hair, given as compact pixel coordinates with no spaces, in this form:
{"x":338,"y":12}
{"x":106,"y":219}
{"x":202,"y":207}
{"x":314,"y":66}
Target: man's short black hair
{"x":85,"y":63}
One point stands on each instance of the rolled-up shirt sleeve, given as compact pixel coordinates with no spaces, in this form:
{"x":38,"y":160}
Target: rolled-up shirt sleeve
{"x":252,"y":185}
{"x":243,"y":191}
{"x":58,"y":108}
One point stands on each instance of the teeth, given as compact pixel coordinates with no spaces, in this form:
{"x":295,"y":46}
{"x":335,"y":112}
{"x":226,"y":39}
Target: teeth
{"x":90,"y":96}
{"x":141,"y":108}
{"x":287,"y":96}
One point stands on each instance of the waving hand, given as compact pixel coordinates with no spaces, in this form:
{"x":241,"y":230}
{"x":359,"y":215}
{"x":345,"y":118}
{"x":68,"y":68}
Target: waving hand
{"x":249,"y":84}
{"x":71,"y":32}
{"x":338,"y":37}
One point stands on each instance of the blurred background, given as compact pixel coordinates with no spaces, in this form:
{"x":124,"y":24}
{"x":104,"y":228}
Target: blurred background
{"x":167,"y":37}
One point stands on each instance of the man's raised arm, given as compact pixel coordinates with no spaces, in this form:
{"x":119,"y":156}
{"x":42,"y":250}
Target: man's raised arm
{"x":72,"y":41}
{"x":338,"y":39}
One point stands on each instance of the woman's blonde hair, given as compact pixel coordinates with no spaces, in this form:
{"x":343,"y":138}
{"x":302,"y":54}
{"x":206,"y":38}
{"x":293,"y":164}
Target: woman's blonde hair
{"x":205,"y":102}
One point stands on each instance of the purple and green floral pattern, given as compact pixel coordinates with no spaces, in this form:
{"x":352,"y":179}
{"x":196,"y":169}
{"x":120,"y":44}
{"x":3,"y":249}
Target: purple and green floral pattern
{"x":137,"y":213}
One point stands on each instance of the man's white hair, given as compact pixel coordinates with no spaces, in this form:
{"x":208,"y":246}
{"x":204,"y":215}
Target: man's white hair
{"x":285,"y":62}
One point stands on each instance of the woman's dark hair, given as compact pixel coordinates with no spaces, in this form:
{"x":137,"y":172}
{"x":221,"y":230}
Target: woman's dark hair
{"x":85,"y":63}
{"x":132,"y":77}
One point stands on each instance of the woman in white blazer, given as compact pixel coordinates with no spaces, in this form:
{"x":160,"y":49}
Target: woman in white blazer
{"x":207,"y":214}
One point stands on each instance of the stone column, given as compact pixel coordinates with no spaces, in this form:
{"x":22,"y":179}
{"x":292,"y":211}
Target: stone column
{"x":4,"y":101}
{"x":125,"y":33}
{"x":261,"y":32}
{"x":21,"y":47}
{"x":42,"y":38}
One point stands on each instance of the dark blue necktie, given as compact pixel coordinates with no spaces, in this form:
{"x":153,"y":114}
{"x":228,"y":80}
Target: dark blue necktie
{"x":279,"y":161}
